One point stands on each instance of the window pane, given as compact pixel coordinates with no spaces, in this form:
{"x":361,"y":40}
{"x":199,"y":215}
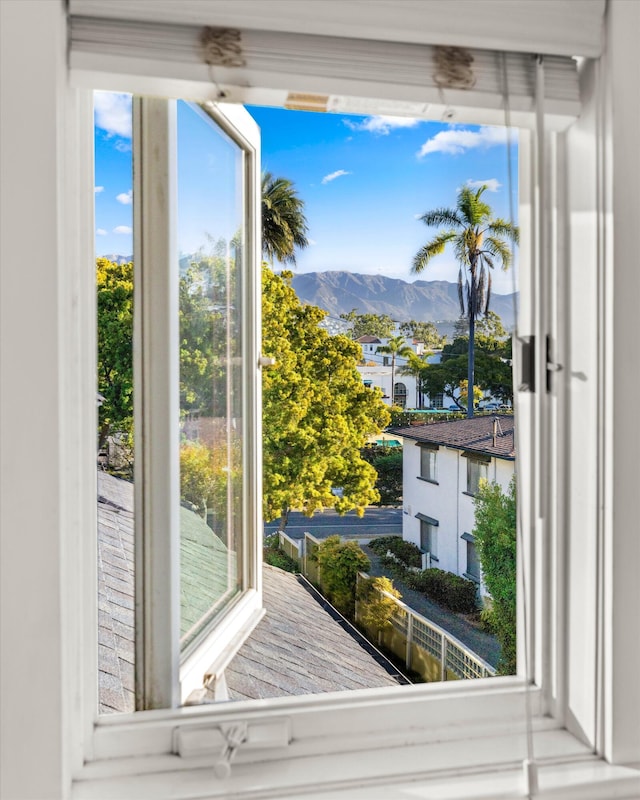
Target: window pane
{"x":210,"y":235}
{"x":428,"y":463}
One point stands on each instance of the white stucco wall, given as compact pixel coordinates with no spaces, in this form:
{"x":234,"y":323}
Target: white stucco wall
{"x":445,"y":501}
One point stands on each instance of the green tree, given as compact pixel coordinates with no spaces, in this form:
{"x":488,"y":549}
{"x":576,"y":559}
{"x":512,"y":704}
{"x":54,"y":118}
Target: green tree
{"x":317,"y":412}
{"x":425,"y":332}
{"x":115,"y":349}
{"x":284,"y":225}
{"x":478,"y":240}
{"x":495,"y":540}
{"x":340,"y":563}
{"x":416,"y":366}
{"x":376,"y":608}
{"x":387,"y":462}
{"x":396,"y":347}
{"x":380,"y":325}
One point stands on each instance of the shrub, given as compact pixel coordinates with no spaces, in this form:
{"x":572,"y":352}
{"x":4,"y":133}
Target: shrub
{"x":407,"y":552}
{"x":272,"y":554}
{"x":375,"y":608}
{"x":340,"y":563}
{"x":451,"y":591}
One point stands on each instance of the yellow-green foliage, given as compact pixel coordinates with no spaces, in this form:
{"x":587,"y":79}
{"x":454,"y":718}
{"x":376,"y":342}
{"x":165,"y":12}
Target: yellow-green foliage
{"x":375,"y":608}
{"x":317,"y":412}
{"x":340,"y":563}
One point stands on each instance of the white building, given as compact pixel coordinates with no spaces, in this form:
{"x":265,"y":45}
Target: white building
{"x":442,"y":466}
{"x":579,"y":183}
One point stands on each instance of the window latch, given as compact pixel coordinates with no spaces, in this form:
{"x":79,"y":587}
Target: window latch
{"x":528,"y":361}
{"x":220,"y":743}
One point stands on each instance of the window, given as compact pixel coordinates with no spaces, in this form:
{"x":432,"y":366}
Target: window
{"x":597,"y":704}
{"x":437,"y":401}
{"x":400,"y":395}
{"x":428,"y":463}
{"x":477,"y":470}
{"x":210,"y":211}
{"x":473,"y":562}
{"x":429,"y":535}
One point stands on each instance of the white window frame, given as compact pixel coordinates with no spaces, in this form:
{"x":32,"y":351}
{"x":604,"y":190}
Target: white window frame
{"x":429,"y":474}
{"x":571,"y":690}
{"x":165,"y":677}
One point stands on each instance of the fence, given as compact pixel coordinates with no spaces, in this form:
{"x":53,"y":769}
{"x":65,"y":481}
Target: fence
{"x":425,"y":647}
{"x":428,"y":649}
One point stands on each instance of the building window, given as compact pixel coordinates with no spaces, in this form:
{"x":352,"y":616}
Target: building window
{"x":428,"y":463}
{"x":477,"y":470}
{"x":400,"y":395}
{"x":473,"y":562}
{"x":429,"y":535}
{"x":386,"y":361}
{"x":437,"y":401}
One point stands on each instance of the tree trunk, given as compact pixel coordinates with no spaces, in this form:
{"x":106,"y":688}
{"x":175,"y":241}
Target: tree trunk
{"x":284,"y":519}
{"x":470,"y":369}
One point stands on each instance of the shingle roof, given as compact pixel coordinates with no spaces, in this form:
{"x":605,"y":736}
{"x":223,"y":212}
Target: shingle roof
{"x":491,"y":435}
{"x":368,"y":339}
{"x":297,"y":648}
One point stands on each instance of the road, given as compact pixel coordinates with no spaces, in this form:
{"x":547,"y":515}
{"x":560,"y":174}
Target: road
{"x":375,"y":522}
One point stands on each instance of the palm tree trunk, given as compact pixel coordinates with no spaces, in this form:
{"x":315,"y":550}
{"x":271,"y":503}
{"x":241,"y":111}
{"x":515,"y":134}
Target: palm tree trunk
{"x":471,"y":365}
{"x":393,"y":378}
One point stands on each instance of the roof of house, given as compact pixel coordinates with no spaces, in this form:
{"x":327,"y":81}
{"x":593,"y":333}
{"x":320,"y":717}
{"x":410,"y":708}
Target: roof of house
{"x":491,"y":435}
{"x":299,"y":647}
{"x":367,"y":338}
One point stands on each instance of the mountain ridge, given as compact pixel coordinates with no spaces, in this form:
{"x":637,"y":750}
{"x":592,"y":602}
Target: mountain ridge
{"x":339,"y":291}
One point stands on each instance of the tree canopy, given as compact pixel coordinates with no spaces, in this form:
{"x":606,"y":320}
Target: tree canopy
{"x":380,"y":325}
{"x":115,"y":349}
{"x":284,"y":225}
{"x":317,"y":412}
{"x":425,"y":332}
{"x":479,"y":241}
{"x":495,"y":540}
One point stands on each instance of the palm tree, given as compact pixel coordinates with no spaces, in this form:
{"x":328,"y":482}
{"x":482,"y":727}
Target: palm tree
{"x":479,"y":241}
{"x":284,"y":226}
{"x":397,"y":346}
{"x":415,"y":367}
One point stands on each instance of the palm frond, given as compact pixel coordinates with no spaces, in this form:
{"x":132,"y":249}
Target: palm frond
{"x":486,"y":307}
{"x":471,"y":208}
{"x":498,"y":248}
{"x":460,"y":292}
{"x":431,"y":249}
{"x":442,"y":216}
{"x":480,"y":289}
{"x":504,"y":229}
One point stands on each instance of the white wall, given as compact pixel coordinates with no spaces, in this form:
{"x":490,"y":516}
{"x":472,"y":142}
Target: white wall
{"x":444,"y":501}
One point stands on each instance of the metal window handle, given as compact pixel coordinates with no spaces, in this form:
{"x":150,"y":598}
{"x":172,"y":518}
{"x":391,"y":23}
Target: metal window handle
{"x":235,"y":736}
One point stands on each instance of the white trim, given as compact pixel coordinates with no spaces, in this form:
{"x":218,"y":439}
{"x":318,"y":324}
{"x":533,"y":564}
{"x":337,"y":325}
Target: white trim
{"x":530,"y":26}
{"x":354,"y":76}
{"x":157,"y":408}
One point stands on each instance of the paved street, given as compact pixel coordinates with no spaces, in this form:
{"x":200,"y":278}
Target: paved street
{"x":376,"y":522}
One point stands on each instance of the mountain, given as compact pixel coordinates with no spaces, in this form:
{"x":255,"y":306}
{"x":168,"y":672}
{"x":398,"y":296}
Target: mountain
{"x":426,"y":301}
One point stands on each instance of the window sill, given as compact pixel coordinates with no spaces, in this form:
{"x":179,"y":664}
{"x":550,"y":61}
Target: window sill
{"x":470,"y":494}
{"x":427,"y":480}
{"x":471,"y":577}
{"x":486,"y":762}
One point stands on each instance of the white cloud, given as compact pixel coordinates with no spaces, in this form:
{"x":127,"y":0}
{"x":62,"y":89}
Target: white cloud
{"x":113,"y":113}
{"x":382,"y":125}
{"x":98,"y":189}
{"x":492,"y":184}
{"x":122,"y":229}
{"x":458,"y":140}
{"x":333,"y":175}
{"x":311,"y":242}
{"x":126,"y":198}
{"x":101,"y":232}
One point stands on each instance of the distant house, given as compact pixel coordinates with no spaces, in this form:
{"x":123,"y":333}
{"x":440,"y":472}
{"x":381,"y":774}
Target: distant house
{"x":441,"y":476}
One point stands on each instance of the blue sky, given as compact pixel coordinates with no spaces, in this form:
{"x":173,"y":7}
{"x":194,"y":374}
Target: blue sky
{"x":364,"y":181}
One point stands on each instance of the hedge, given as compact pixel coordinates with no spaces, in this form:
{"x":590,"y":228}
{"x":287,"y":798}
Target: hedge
{"x":407,"y":552}
{"x":445,"y":588}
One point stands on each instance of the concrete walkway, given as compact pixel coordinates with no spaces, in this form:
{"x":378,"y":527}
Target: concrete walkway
{"x":485,"y":645}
